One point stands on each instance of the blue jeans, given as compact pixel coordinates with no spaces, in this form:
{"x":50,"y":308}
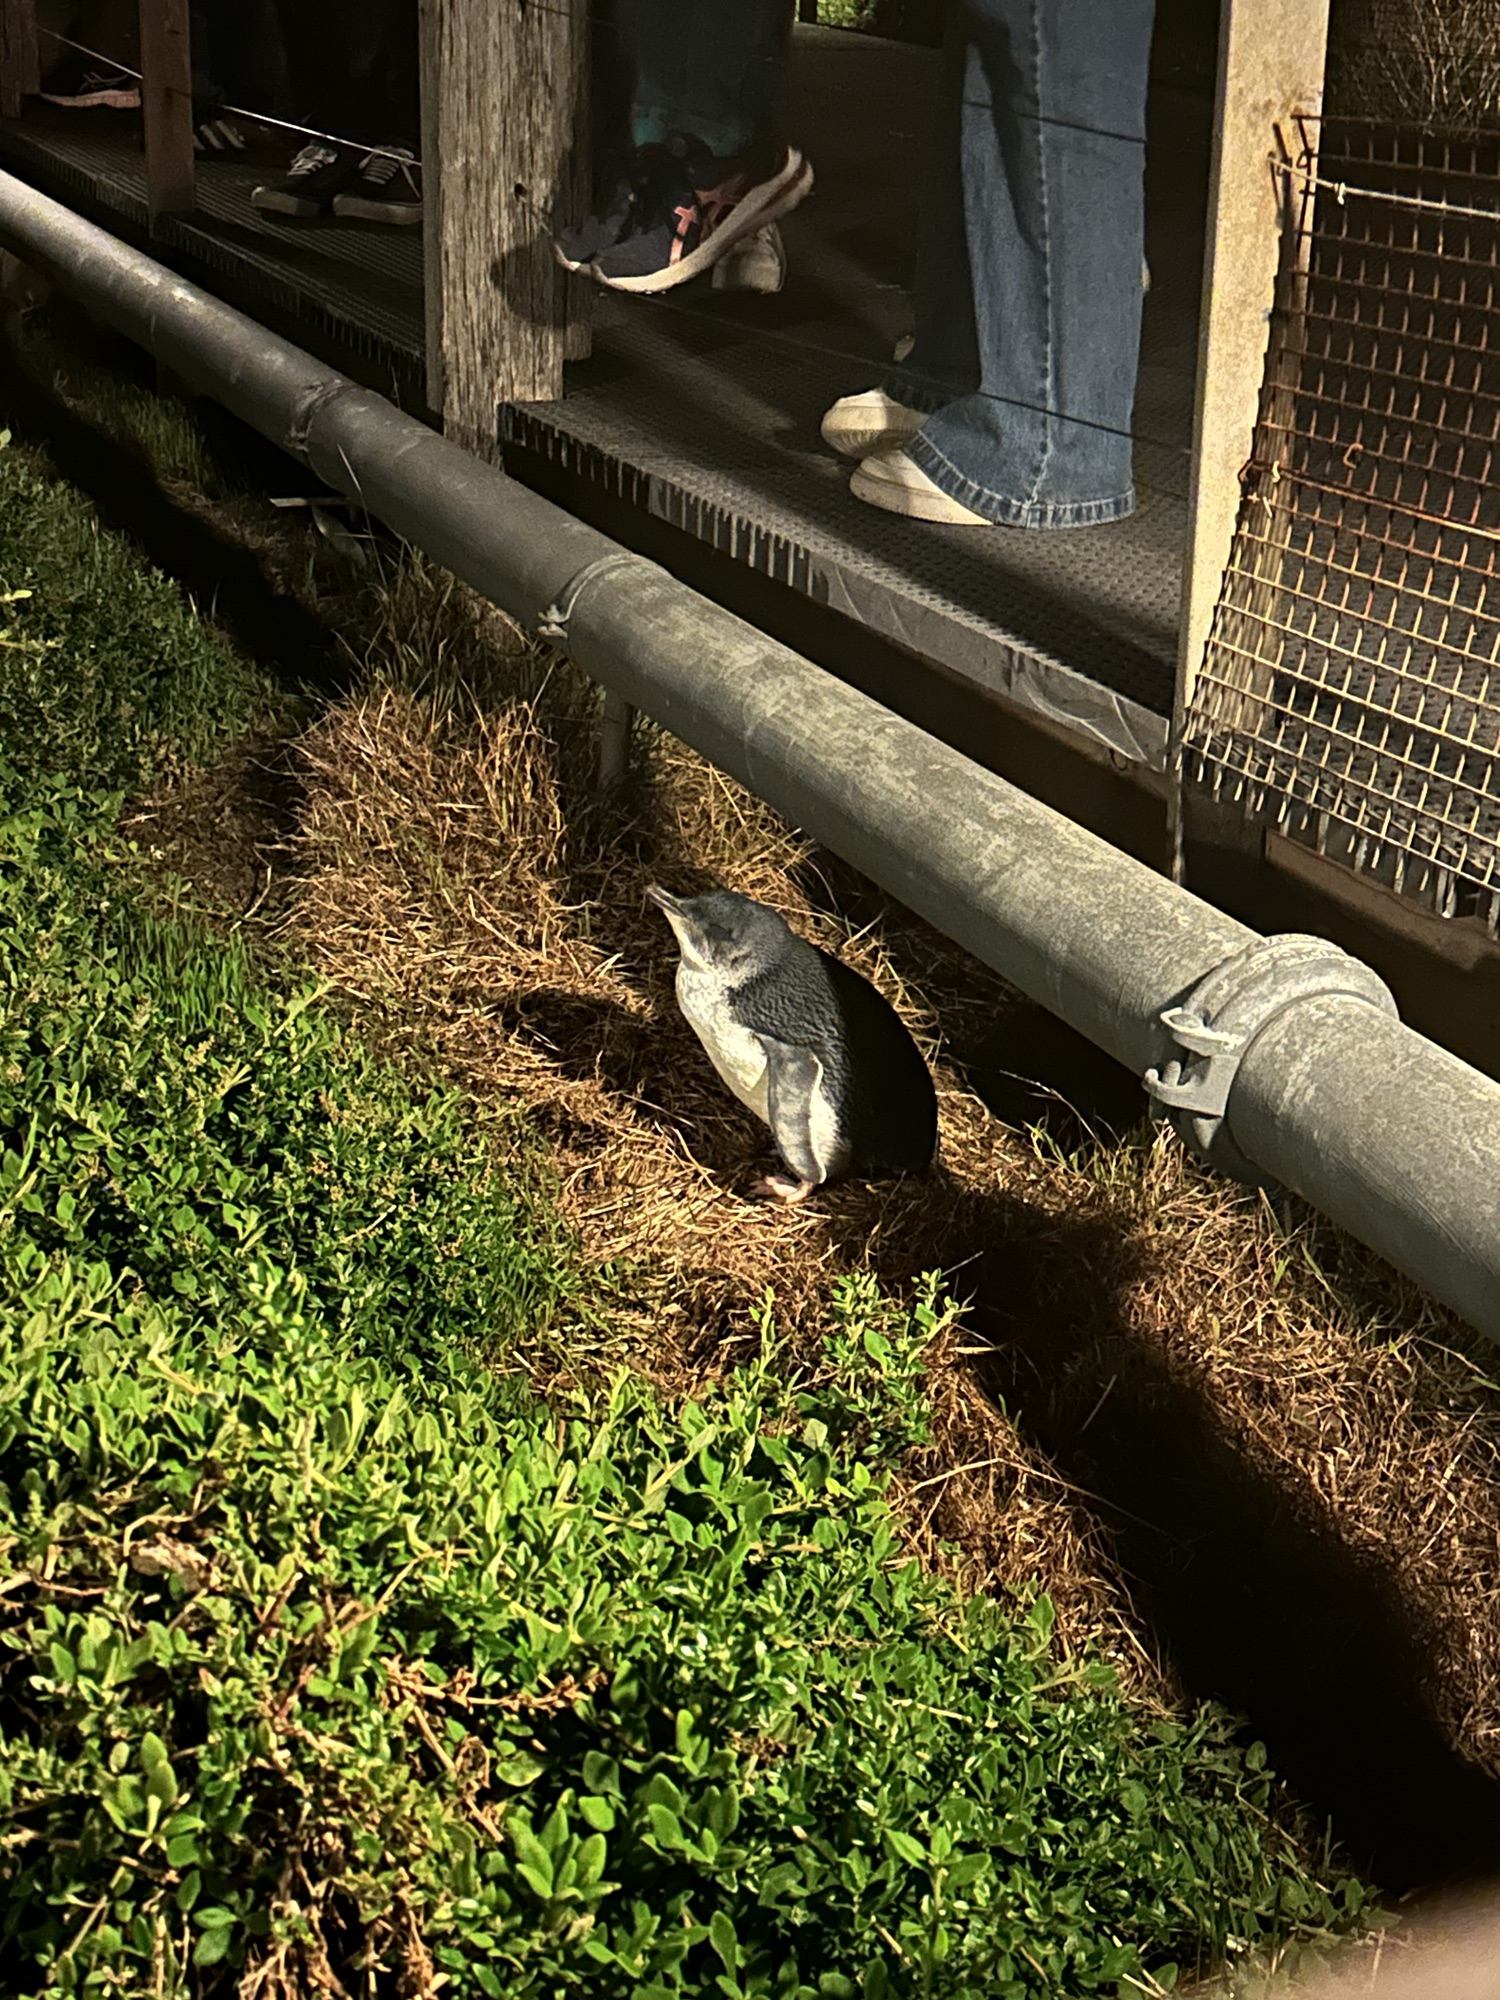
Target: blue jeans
{"x":709,"y":68}
{"x":1028,"y":288}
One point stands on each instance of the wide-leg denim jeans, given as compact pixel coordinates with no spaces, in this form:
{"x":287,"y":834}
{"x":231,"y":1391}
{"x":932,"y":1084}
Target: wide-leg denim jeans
{"x":1028,"y":287}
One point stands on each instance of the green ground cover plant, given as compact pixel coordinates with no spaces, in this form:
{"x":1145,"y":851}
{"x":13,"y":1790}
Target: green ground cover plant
{"x":103,"y":670}
{"x":171,"y":1118}
{"x":329,"y":1649}
{"x":314,"y":1662}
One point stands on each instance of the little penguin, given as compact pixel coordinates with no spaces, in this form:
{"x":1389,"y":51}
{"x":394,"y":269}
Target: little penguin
{"x":804,"y":1041}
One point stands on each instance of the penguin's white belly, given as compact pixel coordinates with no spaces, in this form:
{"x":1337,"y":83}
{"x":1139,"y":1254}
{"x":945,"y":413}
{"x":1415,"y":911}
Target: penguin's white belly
{"x":734,"y":1050}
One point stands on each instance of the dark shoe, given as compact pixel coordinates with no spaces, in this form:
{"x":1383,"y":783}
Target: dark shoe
{"x":214,"y":129}
{"x":79,"y":84}
{"x":389,"y":189}
{"x":577,"y":244}
{"x":688,"y":212}
{"x":316,"y":175}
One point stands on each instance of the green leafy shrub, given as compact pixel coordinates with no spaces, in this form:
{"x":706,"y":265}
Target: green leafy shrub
{"x":605,"y":1699}
{"x":163,"y":1114}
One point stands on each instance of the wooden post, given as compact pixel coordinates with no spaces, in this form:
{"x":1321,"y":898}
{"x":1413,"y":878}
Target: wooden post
{"x":1271,"y":55}
{"x":20,"y":62}
{"x":504,"y":100}
{"x":1271,"y":60}
{"x":167,"y":105}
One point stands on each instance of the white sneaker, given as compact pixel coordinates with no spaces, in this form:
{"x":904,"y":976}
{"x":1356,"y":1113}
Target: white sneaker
{"x":891,"y":480}
{"x":757,"y":263}
{"x":869,"y":422}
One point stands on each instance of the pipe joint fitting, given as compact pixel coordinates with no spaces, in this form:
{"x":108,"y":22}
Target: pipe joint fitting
{"x":296,"y":439}
{"x":1224,"y":1014}
{"x":556,"y":619}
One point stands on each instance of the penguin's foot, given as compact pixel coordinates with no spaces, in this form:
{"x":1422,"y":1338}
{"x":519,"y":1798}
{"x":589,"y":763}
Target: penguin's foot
{"x":783,"y":1188}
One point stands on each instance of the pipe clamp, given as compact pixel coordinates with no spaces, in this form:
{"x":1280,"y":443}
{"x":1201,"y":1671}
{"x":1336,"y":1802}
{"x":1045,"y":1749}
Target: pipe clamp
{"x":554,"y":621}
{"x":1225,"y":1012}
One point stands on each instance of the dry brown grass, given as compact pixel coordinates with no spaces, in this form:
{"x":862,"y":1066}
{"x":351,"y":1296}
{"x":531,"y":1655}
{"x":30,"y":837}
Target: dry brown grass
{"x":445,"y":864}
{"x":1417,"y":62}
{"x":1372,"y":1417}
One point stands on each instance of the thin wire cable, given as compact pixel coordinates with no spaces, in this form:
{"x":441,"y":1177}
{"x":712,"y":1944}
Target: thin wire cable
{"x":397,"y":153}
{"x":1344,"y":190}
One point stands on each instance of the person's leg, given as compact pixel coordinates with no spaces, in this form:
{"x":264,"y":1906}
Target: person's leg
{"x":394,"y":74}
{"x":110,"y":26}
{"x":713,"y":73}
{"x":699,"y":172}
{"x":331,"y":49}
{"x":944,"y":358}
{"x":242,"y":51}
{"x":389,"y":186}
{"x":1052,"y":124}
{"x":215,"y":128}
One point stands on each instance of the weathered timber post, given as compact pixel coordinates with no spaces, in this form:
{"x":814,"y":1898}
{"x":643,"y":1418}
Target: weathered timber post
{"x":504,"y":103}
{"x":1271,"y":58}
{"x":20,"y":63}
{"x":167,"y":105}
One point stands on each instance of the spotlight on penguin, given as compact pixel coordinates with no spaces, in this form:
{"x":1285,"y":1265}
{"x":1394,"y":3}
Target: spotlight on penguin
{"x":811,"y":1047}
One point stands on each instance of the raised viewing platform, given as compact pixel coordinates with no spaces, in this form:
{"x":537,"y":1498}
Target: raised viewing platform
{"x":696,"y":418}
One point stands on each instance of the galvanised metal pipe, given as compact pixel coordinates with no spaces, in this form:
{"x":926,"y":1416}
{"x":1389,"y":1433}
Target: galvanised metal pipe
{"x":1393,"y":1138}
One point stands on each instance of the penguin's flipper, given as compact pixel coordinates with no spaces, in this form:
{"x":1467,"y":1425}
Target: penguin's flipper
{"x":799,"y":1115}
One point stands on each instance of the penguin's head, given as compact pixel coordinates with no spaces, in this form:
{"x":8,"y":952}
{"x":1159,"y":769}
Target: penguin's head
{"x":724,"y":932}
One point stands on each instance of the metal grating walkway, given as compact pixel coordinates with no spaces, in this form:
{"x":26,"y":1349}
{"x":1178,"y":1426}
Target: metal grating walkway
{"x":349,"y":293}
{"x":702,"y":407}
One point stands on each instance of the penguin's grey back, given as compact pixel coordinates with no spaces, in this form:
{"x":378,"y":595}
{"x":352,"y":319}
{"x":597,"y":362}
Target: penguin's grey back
{"x":875,"y":1081}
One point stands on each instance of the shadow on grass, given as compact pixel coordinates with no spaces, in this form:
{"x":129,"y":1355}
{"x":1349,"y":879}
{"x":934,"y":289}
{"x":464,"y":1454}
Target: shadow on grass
{"x":1245,"y":1576}
{"x":223,"y":577}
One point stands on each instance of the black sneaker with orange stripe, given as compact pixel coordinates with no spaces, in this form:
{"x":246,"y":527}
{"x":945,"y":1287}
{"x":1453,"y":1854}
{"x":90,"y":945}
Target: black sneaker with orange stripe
{"x":688,"y":208}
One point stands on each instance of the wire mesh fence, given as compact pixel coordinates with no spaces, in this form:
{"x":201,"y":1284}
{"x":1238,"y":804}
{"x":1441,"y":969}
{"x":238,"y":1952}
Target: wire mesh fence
{"x":1350,"y":689}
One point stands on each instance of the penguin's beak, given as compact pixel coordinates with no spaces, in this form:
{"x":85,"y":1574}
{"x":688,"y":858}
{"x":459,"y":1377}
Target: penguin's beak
{"x":684,"y":929}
